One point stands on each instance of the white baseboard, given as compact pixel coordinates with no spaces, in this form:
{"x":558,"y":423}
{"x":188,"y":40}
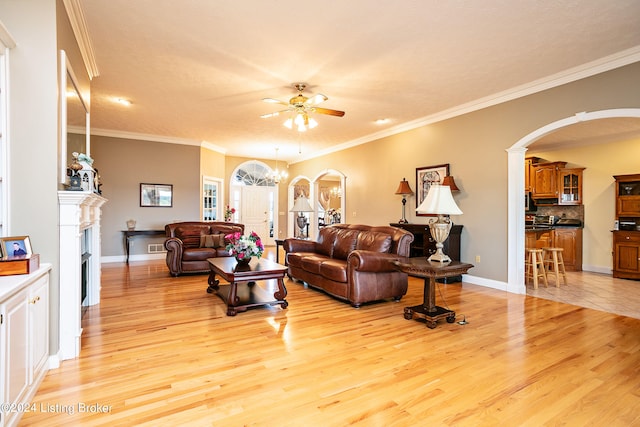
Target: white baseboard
{"x":481,"y":281}
{"x":141,"y":257}
{"x":597,"y":269}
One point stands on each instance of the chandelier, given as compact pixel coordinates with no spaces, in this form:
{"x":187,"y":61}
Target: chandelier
{"x":277,"y":175}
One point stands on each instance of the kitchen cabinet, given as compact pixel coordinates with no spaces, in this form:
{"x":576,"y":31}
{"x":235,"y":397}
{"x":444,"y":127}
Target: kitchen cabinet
{"x":570,"y":186}
{"x":626,"y":240}
{"x":528,"y":172}
{"x":570,"y":240}
{"x":544,"y":180}
{"x":24,"y":339}
{"x":626,"y":254}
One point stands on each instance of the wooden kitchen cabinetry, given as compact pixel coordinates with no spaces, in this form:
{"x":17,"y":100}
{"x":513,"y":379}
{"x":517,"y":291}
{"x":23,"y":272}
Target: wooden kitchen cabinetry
{"x":570,"y":240}
{"x":544,"y":180}
{"x":626,"y":241}
{"x":567,"y":238}
{"x":570,"y":186}
{"x":528,"y":172}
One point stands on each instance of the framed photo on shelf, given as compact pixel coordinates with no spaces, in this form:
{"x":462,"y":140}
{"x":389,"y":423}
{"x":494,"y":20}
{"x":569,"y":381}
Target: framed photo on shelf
{"x":15,"y":246}
{"x":156,"y":195}
{"x":425,"y":177}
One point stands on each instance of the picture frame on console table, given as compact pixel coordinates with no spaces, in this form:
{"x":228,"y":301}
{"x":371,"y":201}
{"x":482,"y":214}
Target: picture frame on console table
{"x":15,"y":246}
{"x":425,"y":177}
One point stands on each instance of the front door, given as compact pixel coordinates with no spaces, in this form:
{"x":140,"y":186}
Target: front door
{"x":257,"y":211}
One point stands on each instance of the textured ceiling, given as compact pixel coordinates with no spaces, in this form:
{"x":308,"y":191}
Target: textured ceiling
{"x":197,"y":70}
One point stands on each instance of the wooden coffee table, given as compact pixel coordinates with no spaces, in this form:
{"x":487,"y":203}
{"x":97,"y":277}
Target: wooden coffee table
{"x":242,"y":292}
{"x":430,"y":271}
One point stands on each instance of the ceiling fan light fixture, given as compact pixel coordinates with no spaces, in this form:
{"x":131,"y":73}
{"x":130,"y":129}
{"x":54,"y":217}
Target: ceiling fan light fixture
{"x":288,"y":123}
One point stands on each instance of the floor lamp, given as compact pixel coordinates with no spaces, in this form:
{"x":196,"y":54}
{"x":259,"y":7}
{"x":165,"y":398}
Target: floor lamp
{"x":439,"y":201}
{"x":300,"y":206}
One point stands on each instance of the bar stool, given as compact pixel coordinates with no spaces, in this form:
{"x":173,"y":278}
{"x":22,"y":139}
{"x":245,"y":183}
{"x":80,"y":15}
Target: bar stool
{"x":534,"y":267}
{"x":553,"y":261}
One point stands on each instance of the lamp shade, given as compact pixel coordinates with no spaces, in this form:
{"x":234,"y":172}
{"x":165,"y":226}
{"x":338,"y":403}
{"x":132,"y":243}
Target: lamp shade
{"x":448,"y":181}
{"x":404,"y":188}
{"x":439,"y":201}
{"x":301,"y":205}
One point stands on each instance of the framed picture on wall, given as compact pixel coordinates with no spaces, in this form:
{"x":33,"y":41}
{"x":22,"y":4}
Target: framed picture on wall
{"x":425,"y":178}
{"x":156,"y":195}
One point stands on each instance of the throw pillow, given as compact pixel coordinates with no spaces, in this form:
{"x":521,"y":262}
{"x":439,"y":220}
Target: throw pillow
{"x":212,"y":241}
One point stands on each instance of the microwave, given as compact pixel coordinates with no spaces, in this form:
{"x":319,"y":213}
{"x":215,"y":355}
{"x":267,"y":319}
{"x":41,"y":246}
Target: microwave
{"x":529,"y":204}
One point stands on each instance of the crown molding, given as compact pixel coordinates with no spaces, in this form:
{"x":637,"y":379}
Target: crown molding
{"x":213,"y":147}
{"x":6,"y":41}
{"x":79,"y":26}
{"x":143,"y":137}
{"x":608,"y":63}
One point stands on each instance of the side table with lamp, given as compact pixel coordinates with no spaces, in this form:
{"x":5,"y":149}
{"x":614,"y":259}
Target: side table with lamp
{"x":439,"y":201}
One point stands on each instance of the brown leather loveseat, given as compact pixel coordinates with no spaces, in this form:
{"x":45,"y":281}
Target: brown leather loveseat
{"x":352,"y":262}
{"x":189,"y":244}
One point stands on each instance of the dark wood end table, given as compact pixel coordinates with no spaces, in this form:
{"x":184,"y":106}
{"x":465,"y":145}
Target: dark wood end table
{"x":242,"y":292}
{"x":430,"y":271}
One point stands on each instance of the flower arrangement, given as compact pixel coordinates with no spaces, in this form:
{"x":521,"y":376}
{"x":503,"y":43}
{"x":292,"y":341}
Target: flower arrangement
{"x":244,"y":247}
{"x":228,"y":212}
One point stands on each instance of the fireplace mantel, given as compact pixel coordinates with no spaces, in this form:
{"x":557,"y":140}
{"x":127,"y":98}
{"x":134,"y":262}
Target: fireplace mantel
{"x":80,"y":213}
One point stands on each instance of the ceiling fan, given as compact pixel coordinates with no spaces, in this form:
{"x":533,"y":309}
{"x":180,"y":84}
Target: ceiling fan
{"x":299,"y":107}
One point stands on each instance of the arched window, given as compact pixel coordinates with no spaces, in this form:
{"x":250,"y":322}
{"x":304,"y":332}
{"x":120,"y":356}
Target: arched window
{"x":253,"y":173}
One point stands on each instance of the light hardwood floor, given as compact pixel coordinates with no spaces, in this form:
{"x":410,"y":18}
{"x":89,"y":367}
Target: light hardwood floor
{"x":160,"y":351}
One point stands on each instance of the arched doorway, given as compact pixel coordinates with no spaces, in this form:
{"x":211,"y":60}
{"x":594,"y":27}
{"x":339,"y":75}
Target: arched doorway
{"x":300,"y":186}
{"x":254,"y":196}
{"x":515,"y":175}
{"x":330,"y":201}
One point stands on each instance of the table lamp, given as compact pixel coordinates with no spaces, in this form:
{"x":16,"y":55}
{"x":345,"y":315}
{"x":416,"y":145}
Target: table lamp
{"x":439,"y":201}
{"x":404,"y":190}
{"x":301,"y":205}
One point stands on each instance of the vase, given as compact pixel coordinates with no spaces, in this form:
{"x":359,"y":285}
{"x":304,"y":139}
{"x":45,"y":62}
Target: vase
{"x":243,"y":261}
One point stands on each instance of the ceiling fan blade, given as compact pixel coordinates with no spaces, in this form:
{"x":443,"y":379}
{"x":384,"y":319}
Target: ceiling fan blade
{"x":277,"y":113}
{"x":329,"y":111}
{"x":274,"y":101}
{"x":316,"y":99}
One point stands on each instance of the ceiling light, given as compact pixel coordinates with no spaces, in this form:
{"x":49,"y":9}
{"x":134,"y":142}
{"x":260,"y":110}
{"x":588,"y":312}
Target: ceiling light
{"x":122,"y":101}
{"x":382,"y":121}
{"x":276,"y":176}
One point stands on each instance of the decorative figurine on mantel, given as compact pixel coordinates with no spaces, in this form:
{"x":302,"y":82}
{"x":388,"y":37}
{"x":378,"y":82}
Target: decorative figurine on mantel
{"x":75,"y":181}
{"x":82,"y":176}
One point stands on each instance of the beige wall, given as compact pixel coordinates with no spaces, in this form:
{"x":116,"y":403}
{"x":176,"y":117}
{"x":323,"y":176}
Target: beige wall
{"x":602,"y":162}
{"x":474,"y":145}
{"x":124,"y":164}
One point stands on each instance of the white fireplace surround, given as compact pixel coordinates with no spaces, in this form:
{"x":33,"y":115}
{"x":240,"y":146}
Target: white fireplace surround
{"x":80,"y":212}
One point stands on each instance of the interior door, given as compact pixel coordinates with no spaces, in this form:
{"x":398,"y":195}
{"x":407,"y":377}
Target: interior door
{"x":257,"y":211}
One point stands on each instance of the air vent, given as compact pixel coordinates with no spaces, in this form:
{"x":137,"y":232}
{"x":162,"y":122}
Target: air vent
{"x":155,"y":248}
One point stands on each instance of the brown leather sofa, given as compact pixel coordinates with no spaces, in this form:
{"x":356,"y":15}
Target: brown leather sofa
{"x":189,"y":244}
{"x":352,"y":262}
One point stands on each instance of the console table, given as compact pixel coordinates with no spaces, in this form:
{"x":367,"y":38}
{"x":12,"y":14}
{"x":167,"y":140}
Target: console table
{"x":128,"y":234}
{"x":430,"y":271}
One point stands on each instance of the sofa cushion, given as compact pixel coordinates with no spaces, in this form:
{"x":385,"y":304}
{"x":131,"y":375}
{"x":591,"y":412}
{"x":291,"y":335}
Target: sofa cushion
{"x":326,"y":238}
{"x":334,"y":269}
{"x":374,"y":241}
{"x":212,"y":241}
{"x":311,"y":263}
{"x":190,"y":235}
{"x":198,"y":254}
{"x":345,"y":243}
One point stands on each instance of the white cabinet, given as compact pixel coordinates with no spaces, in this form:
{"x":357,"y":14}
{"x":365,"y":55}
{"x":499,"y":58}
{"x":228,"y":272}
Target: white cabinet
{"x":24,"y":339}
